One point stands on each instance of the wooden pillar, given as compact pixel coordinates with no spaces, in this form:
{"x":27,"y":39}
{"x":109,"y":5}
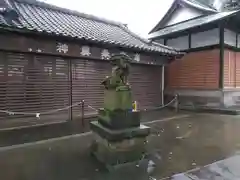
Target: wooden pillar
{"x":165,"y":41}
{"x":221,"y":59}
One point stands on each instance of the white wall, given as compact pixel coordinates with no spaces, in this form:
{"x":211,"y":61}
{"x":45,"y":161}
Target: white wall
{"x":206,"y":38}
{"x":238,"y":45}
{"x":180,"y":42}
{"x":182,"y":14}
{"x":161,"y":41}
{"x":230,"y":37}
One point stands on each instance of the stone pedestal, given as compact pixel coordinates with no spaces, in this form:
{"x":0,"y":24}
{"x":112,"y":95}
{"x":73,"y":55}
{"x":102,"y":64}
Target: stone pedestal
{"x":115,"y":148}
{"x":118,"y":119}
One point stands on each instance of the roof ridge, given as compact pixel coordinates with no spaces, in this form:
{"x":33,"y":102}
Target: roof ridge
{"x":198,"y":17}
{"x":199,"y":5}
{"x":147,"y":41}
{"x":207,"y":5}
{"x":134,"y":34}
{"x":69,"y":11}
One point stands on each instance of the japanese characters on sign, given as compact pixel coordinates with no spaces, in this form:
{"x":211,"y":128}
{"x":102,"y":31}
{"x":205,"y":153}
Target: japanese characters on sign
{"x":85,"y":51}
{"x":62,"y":48}
{"x":137,"y":57}
{"x":105,"y":54}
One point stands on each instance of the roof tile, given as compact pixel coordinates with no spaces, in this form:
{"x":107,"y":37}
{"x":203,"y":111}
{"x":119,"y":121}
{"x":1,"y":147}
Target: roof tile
{"x":42,"y":17}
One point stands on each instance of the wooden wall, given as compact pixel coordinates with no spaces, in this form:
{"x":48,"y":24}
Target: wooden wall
{"x":196,"y":70}
{"x":200,"y":69}
{"x":231,"y":69}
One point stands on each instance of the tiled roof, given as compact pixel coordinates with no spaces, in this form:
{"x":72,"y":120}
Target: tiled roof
{"x":192,"y":23}
{"x":42,"y":17}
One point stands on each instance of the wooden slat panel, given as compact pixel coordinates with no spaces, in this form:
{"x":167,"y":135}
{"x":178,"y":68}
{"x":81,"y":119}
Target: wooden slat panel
{"x":96,"y":71}
{"x":229,"y":69}
{"x":87,"y":76}
{"x":146,"y":85}
{"x":238,"y":70}
{"x":78,"y":84}
{"x":32,"y":83}
{"x":145,"y":82}
{"x":198,"y":70}
{"x":35,"y":84}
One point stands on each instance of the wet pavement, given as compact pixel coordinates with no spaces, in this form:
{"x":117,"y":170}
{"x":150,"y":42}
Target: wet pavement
{"x":24,"y":122}
{"x":227,"y":169}
{"x":23,"y":131}
{"x":176,"y":144}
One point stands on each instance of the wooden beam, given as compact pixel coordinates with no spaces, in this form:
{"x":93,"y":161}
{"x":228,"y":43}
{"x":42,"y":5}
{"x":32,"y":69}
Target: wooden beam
{"x":203,"y":48}
{"x":237,"y":40}
{"x":165,"y":41}
{"x":189,"y":40}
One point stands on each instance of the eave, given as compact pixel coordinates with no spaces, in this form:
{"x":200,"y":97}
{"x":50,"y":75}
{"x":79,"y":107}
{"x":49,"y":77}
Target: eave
{"x":193,"y":23}
{"x":175,"y":5}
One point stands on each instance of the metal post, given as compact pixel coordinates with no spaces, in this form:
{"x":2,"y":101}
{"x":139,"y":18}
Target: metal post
{"x":177,"y":103}
{"x":163,"y":84}
{"x":83,"y":121}
{"x":71,"y":90}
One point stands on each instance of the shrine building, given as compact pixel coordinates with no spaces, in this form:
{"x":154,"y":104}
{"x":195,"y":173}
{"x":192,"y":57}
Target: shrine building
{"x":51,"y":58}
{"x":209,"y":74}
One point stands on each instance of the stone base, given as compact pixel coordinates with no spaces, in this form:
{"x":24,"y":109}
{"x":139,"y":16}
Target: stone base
{"x":116,"y":148}
{"x":224,"y":101}
{"x":117,"y":154}
{"x":118,"y":135}
{"x":221,"y":98}
{"x":195,"y":98}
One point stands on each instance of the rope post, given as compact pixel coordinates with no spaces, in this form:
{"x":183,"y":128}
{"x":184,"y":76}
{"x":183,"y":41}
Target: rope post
{"x":82,"y":109}
{"x":177,"y":103}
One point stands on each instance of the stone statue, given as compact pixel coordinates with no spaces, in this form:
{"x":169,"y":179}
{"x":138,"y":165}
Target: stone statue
{"x":120,"y":72}
{"x":117,"y":90}
{"x":119,"y":136}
